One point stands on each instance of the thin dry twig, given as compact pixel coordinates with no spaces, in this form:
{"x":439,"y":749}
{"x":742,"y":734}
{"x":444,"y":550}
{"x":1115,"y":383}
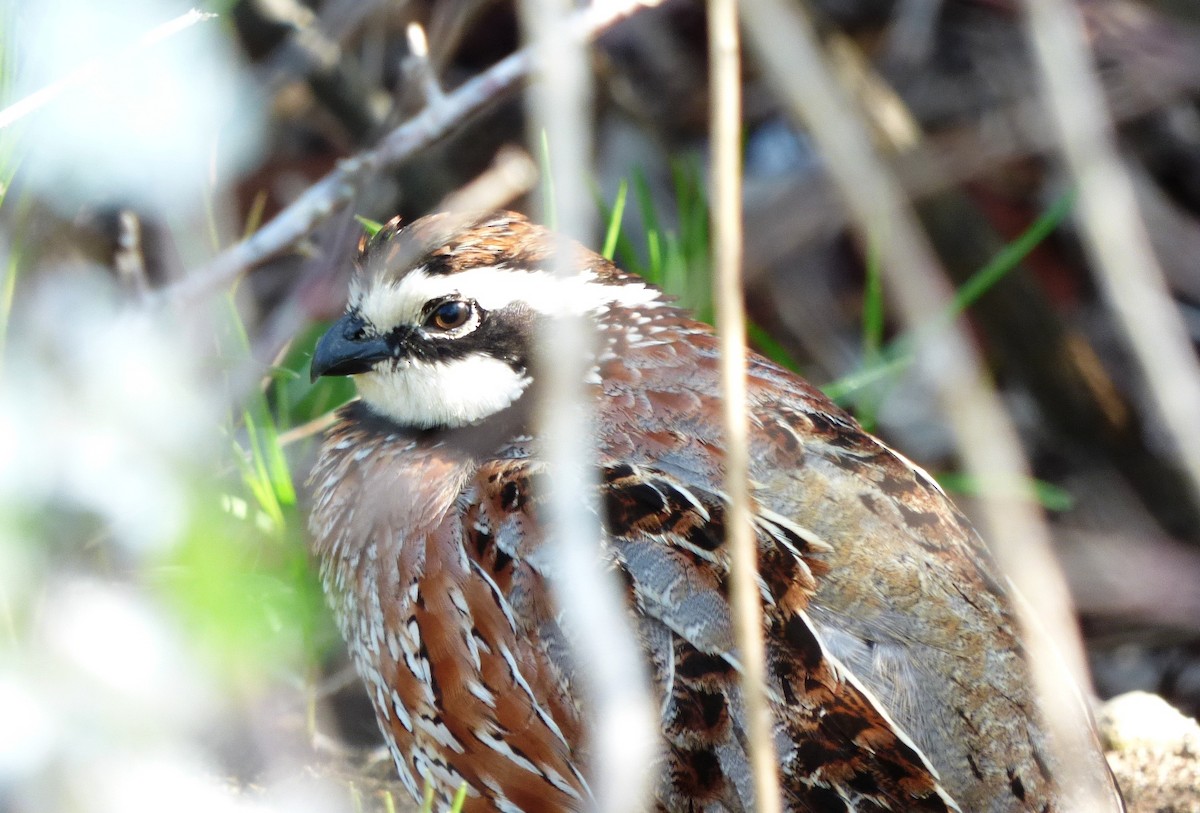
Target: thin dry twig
{"x":339,"y":187}
{"x":419,"y":66}
{"x":129,"y":258}
{"x":1113,"y":227}
{"x":334,"y":77}
{"x":724,"y":48}
{"x":795,"y":210}
{"x":986,"y":440}
{"x":612,"y":673}
{"x":512,"y":174}
{"x":307,"y":430}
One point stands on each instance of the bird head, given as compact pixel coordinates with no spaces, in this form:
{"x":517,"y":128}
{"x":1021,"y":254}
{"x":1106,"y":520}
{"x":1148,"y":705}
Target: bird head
{"x":443,"y":315}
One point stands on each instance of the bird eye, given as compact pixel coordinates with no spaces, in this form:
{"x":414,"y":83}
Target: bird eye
{"x":450,"y":315}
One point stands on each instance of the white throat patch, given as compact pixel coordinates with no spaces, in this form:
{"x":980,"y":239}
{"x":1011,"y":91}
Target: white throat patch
{"x":451,"y":394}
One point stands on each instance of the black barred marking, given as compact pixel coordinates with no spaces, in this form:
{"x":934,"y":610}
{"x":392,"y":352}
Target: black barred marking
{"x":831,"y":424}
{"x":704,"y":775}
{"x":825,"y":800}
{"x":618,"y":471}
{"x":812,"y":754}
{"x":434,"y":687}
{"x":777,"y":567}
{"x":642,"y":499}
{"x":646,"y":501}
{"x":1014,"y":782}
{"x":707,"y":535}
{"x":701,"y":713}
{"x":503,"y":560}
{"x":978,"y":774}
{"x":483,"y":541}
{"x":894,"y":770}
{"x":713,"y":708}
{"x":901,"y":480}
{"x":437,"y":265}
{"x":796,"y":631}
{"x":789,"y":694}
{"x":864,"y":783}
{"x":872,"y":504}
{"x":853,"y":440}
{"x":511,"y":498}
{"x":847,"y":725}
{"x":696,"y":665}
{"x":919,"y":519}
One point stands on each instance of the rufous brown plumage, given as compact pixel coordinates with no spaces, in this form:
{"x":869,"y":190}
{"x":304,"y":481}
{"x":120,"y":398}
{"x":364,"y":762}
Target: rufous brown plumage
{"x":897,"y":680}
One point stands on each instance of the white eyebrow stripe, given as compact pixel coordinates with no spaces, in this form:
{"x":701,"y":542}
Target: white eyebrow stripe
{"x":387,"y":305}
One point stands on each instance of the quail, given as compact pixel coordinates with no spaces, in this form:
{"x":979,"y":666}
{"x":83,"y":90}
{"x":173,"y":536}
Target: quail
{"x":897,"y":680}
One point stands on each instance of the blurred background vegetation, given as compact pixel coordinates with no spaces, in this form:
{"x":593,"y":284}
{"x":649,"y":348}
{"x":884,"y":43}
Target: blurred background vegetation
{"x":163,"y":640}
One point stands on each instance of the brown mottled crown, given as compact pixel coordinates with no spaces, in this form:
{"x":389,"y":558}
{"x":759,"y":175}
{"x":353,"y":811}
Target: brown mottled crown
{"x":447,"y":243}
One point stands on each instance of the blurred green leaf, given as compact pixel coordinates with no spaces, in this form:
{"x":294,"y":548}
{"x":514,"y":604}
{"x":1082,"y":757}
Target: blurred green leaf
{"x":899,"y":353}
{"x":1048,"y":495}
{"x":371,"y":227}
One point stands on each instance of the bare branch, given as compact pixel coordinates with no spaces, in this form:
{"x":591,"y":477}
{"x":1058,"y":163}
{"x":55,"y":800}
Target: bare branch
{"x":339,"y":187}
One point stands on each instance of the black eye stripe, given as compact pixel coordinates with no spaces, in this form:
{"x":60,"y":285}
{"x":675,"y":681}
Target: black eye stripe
{"x":504,"y":334}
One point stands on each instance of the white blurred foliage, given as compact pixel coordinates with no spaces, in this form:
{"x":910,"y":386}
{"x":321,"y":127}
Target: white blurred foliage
{"x":102,"y":411}
{"x":149,"y":782}
{"x":29,"y":730}
{"x":128,"y":657}
{"x":103,"y":424}
{"x":99,"y":681}
{"x":110,"y":418}
{"x":150,"y":121}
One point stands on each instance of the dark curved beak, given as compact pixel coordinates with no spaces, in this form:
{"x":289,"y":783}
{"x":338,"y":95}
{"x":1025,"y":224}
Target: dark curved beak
{"x":346,"y":350}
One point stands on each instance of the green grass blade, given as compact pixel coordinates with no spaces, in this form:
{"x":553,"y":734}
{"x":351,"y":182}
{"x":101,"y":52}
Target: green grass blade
{"x":898,"y":354}
{"x":1012,"y":254}
{"x":883,"y":370}
{"x":645,"y":199}
{"x":873,"y":311}
{"x":257,"y":473}
{"x":371,"y":227}
{"x":654,"y":251}
{"x":460,"y":799}
{"x":766,"y":345}
{"x":1048,"y":495}
{"x":613,"y":232}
